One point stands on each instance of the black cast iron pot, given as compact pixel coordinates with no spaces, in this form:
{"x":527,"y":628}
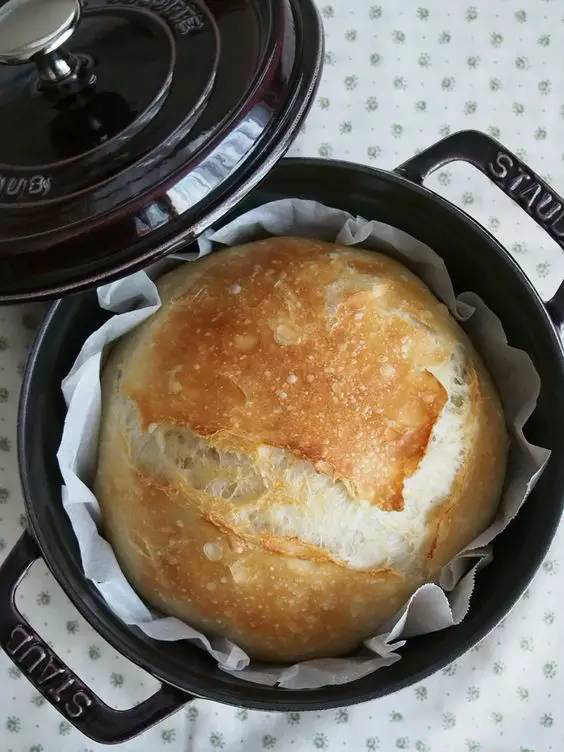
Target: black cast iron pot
{"x":476,"y":261}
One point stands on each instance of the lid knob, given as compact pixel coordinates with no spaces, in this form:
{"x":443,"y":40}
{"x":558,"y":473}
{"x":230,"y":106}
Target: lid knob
{"x":31,"y":27}
{"x":34,"y":30}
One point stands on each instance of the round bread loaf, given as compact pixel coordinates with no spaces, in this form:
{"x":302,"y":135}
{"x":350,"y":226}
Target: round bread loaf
{"x":293,"y":443}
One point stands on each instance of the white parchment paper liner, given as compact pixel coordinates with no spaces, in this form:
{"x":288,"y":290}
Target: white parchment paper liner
{"x":431,"y":608}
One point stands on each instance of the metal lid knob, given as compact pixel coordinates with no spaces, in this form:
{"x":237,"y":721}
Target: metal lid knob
{"x":35,"y":27}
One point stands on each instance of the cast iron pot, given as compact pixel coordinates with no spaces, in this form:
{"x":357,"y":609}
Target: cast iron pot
{"x":476,"y":261}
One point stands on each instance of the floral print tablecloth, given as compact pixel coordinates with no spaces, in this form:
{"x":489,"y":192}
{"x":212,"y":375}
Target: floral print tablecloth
{"x":398,"y":75}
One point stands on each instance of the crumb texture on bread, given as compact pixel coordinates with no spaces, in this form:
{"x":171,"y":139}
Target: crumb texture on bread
{"x":296,"y":440}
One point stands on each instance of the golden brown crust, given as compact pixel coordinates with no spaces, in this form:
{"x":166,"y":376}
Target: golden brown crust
{"x":278,"y":363}
{"x":481,"y":478}
{"x":325,"y":353}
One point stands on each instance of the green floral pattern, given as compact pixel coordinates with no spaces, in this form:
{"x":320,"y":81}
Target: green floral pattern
{"x":397,"y":77}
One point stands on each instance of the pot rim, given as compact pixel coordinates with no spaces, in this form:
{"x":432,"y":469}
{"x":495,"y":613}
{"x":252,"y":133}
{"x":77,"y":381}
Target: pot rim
{"x":279,"y":699}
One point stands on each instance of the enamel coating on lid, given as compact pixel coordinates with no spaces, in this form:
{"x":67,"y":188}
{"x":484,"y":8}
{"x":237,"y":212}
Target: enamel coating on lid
{"x":152,"y":119}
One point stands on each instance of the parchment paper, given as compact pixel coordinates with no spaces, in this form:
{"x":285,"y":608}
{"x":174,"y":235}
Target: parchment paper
{"x":431,"y":608}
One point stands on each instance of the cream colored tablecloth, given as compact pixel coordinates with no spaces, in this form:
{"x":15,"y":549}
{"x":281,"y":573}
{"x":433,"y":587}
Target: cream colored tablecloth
{"x":398,"y":76}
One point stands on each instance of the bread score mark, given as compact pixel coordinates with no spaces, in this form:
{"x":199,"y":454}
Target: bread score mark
{"x":271,"y":497}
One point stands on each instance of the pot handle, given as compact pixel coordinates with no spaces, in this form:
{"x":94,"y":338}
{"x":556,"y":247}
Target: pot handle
{"x":55,"y":681}
{"x":510,"y":174}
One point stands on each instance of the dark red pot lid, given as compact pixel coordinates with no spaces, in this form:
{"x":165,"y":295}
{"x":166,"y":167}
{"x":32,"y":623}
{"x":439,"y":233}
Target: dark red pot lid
{"x":149,"y":122}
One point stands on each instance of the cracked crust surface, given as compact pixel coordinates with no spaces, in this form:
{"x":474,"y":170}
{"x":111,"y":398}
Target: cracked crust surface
{"x":297,"y":439}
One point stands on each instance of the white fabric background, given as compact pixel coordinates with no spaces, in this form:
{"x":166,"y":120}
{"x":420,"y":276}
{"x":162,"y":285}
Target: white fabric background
{"x":398,"y":75}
